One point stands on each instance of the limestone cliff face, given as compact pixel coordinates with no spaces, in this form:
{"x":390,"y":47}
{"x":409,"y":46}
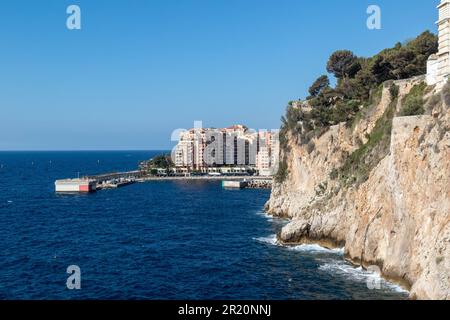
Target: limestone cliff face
{"x":399,"y":218}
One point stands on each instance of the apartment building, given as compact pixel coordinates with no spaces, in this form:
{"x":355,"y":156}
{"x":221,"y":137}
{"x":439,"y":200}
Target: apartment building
{"x":203,"y":149}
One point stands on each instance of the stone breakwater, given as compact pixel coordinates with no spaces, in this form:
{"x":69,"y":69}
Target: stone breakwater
{"x":398,"y":218}
{"x":259,"y":184}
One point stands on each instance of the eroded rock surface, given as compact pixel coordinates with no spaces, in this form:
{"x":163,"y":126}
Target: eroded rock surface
{"x":398,"y":218}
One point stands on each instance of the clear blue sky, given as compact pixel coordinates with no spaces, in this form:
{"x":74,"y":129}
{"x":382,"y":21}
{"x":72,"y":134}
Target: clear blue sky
{"x":139,"y":69}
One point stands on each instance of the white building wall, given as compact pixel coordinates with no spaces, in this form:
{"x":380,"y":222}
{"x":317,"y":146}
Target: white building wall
{"x":438,"y":71}
{"x":432,"y":71}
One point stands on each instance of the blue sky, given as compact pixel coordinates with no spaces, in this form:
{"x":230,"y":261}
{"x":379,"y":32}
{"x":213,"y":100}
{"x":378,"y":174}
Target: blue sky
{"x":139,"y":69}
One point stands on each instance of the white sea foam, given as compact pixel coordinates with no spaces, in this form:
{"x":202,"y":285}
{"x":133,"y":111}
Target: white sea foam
{"x":265,"y":215}
{"x":272,"y":240}
{"x":9,"y":201}
{"x":350,"y":272}
{"x":270,"y":218}
{"x":307,"y":248}
{"x":335,"y":266}
{"x":315,"y":248}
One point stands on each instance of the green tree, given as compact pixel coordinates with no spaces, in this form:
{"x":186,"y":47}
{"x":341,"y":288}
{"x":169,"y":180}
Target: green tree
{"x":318,"y":85}
{"x":359,"y":85}
{"x":423,"y":46}
{"x":381,"y":69}
{"x":163,"y":161}
{"x":342,"y":64}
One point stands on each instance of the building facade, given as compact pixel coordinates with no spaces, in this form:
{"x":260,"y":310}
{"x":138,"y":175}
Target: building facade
{"x":438,"y":66}
{"x":235,"y":148}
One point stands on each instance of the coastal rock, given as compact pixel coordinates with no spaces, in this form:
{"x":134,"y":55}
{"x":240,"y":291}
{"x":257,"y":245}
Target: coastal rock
{"x":399,"y":218}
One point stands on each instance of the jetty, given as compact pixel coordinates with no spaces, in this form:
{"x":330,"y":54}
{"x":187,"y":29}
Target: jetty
{"x":259,"y":184}
{"x":117,"y":176}
{"x":230,"y":184}
{"x":254,"y":183}
{"x":115,"y":180}
{"x":114,"y":184}
{"x":89,"y":184}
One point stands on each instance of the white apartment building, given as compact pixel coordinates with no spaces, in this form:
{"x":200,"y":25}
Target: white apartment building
{"x":236,"y":147}
{"x":268,"y":153}
{"x":438,"y":66}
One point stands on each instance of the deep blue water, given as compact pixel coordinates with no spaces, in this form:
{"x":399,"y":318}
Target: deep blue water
{"x":158,"y":240}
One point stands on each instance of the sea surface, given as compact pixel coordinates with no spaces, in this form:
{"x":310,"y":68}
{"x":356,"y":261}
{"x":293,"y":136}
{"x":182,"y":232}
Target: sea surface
{"x":156,"y":240}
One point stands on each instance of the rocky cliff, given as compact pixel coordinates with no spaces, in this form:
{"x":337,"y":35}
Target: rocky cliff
{"x":380,"y":187}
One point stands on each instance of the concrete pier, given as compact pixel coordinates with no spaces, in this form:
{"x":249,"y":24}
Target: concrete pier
{"x":248,"y":184}
{"x":259,"y":184}
{"x":75,"y":185}
{"x":228,"y":184}
{"x":119,"y":179}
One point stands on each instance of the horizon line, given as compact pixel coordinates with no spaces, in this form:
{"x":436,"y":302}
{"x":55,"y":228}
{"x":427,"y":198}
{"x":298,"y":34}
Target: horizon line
{"x":83,"y":150}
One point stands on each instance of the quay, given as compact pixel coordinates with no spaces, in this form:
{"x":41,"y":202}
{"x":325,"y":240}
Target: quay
{"x":230,"y":184}
{"x":130,"y":175}
{"x":116,"y":180}
{"x":114,"y":184}
{"x":256,"y":183}
{"x":89,"y":184}
{"x":259,"y":183}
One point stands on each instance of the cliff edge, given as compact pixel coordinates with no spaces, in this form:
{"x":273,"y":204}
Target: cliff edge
{"x":378,"y":186}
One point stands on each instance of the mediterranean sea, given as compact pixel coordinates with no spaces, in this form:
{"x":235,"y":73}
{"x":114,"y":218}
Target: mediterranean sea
{"x":155,"y":240}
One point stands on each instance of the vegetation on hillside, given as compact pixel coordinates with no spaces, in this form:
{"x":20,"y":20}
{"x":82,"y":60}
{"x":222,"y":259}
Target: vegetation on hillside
{"x":359,"y":84}
{"x":413,"y":104}
{"x":357,"y":166}
{"x":163,"y":161}
{"x":282,"y":172}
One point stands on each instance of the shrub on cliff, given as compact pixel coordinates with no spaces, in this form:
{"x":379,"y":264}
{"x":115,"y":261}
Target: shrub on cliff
{"x":446,"y":93}
{"x":394,"y":91}
{"x":413,"y":104}
{"x":358,"y":165}
{"x":282,"y":172}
